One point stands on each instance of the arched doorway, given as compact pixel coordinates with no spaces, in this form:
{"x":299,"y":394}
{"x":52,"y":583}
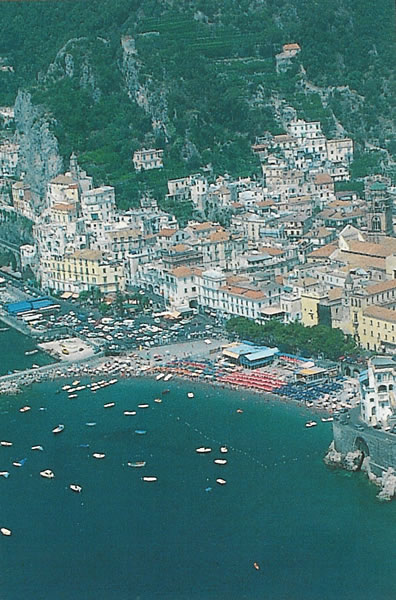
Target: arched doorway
{"x":361,"y":444}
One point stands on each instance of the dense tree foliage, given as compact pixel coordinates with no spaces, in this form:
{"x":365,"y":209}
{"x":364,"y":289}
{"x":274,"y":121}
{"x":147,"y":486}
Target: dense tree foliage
{"x":295,"y":338}
{"x":208,"y":68}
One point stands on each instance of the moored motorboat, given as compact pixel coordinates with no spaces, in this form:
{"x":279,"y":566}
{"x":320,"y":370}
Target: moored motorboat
{"x":47,"y":474}
{"x":66,"y":387}
{"x":160,"y":376}
{"x":168,"y":376}
{"x":158,"y":400}
{"x":221,"y":481}
{"x":203,"y":450}
{"x":239,"y":410}
{"x":59,"y":428}
{"x":76,"y":382}
{"x":109,"y":405}
{"x":98,"y":455}
{"x":25,"y":409}
{"x":327,"y":419}
{"x":256,"y":566}
{"x":137,"y":464}
{"x":143,"y":405}
{"x":140,"y":431}
{"x":310,"y":424}
{"x":4,"y":474}
{"x":5,"y":531}
{"x":190,"y":395}
{"x":5,"y":443}
{"x":75,"y":488}
{"x":223,"y":449}
{"x":129,"y":413}
{"x":150,"y":479}
{"x":92,"y":424}
{"x":220,"y":461}
{"x":71,"y":396}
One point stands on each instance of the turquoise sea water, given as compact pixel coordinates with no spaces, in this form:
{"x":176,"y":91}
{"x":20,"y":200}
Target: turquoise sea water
{"x":13,"y":346}
{"x":316,"y":533}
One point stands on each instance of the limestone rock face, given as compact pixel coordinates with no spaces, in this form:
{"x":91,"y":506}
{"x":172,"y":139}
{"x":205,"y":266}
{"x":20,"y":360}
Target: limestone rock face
{"x":353,"y":460}
{"x":39,"y":158}
{"x":332,"y":457}
{"x":388,"y":484}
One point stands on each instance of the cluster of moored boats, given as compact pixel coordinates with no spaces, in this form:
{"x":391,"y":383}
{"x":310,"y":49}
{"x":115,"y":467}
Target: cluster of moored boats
{"x":217,"y":461}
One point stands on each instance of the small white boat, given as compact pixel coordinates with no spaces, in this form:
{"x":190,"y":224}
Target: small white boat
{"x":16,"y":463}
{"x":221,"y":481}
{"x":6,"y":531}
{"x":137,"y":464}
{"x":326,"y":419}
{"x":160,"y":376}
{"x":143,"y":405}
{"x":223,"y":449}
{"x":158,"y":400}
{"x":220,"y":461}
{"x":129,"y":413}
{"x":4,"y":443}
{"x":30,"y":352}
{"x":113,"y":381}
{"x":190,"y":395}
{"x":75,"y":488}
{"x":4,"y":474}
{"x":47,"y":474}
{"x":37,"y":448}
{"x":58,"y":429}
{"x":310,"y":424}
{"x":92,"y":424}
{"x":24,"y":409}
{"x":66,"y":387}
{"x":109,"y":405}
{"x":75,"y":382}
{"x":150,"y":479}
{"x":169,"y":376}
{"x":203,"y":450}
{"x":71,"y":396}
{"x":98,"y":455}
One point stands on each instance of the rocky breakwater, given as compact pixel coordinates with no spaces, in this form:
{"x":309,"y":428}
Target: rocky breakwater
{"x":355,"y":460}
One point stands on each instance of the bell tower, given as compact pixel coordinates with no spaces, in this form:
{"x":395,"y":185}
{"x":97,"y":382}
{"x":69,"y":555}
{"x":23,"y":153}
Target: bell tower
{"x":379,"y":211}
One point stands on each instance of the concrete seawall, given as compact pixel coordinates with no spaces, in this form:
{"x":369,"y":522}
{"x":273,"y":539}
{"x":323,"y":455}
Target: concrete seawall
{"x":378,"y":445}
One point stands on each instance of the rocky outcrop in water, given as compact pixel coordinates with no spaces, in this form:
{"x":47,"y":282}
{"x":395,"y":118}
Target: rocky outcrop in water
{"x":39,"y":158}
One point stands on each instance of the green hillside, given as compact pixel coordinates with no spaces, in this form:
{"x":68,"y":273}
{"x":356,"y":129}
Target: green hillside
{"x":206,"y":73}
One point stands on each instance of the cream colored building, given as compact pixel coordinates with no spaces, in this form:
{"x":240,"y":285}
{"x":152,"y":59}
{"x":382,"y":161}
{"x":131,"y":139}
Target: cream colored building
{"x":83,"y":270}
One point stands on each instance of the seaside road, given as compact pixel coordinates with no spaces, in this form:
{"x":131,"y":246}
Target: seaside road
{"x":196,"y":348}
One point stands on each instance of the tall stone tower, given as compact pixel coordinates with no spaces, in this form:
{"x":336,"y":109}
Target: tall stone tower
{"x":379,"y":211}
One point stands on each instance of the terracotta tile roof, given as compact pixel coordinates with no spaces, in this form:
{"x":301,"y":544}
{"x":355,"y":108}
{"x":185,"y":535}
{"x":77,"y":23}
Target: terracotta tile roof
{"x":166,"y":232}
{"x":293,"y":46}
{"x":323,"y":252}
{"x":381,"y":313}
{"x":322,"y":178}
{"x":87,"y":254}
{"x":272,"y":251}
{"x":381,"y":250}
{"x":219,"y":236}
{"x":62,"y":179}
{"x":181,"y":272}
{"x":382,"y":286}
{"x":335,"y":293}
{"x":180,"y":248}
{"x":202,"y":226}
{"x":64,"y":207}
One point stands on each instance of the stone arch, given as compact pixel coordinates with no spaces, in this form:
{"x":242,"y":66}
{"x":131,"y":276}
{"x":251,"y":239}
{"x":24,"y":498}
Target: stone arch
{"x":382,"y":388}
{"x":361,"y":444}
{"x":347,"y":371}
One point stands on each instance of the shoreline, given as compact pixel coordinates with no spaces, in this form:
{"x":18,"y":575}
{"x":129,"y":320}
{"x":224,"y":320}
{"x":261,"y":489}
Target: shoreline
{"x":131,"y":367}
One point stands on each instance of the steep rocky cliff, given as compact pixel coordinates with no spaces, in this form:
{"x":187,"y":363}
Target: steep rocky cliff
{"x":39,"y":154}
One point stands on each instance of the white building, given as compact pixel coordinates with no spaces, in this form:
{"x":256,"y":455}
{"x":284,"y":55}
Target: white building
{"x":377,"y":390}
{"x":144,"y":160}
